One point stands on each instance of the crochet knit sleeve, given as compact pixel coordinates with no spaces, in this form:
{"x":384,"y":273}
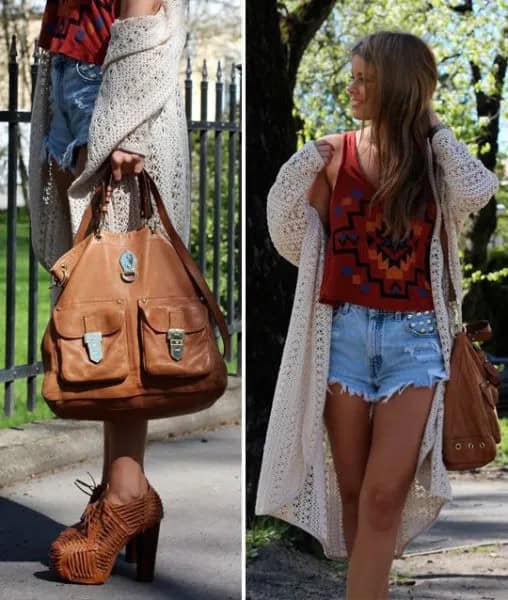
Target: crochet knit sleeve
{"x":288,"y":207}
{"x":137,"y":140}
{"x":469,"y":185}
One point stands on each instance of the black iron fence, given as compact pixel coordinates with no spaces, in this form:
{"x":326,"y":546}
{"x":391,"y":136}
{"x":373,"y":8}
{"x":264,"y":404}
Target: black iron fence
{"x":215,"y":216}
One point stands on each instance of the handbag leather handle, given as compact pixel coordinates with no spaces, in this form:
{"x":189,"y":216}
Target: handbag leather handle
{"x":479,"y":330}
{"x":147,"y":184}
{"x":99,"y":203}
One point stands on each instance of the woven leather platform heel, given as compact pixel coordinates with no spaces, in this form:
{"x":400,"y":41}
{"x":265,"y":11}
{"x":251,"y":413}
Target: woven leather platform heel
{"x":89,"y":555}
{"x":130,"y":551}
{"x":146,"y":551}
{"x":94,"y":491}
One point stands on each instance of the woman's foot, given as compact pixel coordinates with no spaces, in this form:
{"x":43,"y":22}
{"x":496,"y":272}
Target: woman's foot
{"x":89,"y":555}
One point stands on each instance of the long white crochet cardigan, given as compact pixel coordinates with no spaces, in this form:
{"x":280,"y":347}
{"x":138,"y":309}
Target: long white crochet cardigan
{"x":139,"y":108}
{"x":298,"y":482}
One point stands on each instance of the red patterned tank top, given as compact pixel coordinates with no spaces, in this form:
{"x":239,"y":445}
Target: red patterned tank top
{"x":364,"y":267}
{"x":78,"y":28}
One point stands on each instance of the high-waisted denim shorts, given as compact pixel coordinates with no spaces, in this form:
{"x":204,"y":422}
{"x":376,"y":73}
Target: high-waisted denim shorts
{"x":73,"y":92}
{"x":376,"y":352}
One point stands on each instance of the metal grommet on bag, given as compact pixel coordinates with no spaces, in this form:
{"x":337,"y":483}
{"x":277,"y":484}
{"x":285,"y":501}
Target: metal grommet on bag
{"x":458,"y":446}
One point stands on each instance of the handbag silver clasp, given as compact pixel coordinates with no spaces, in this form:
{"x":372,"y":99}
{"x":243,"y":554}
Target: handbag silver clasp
{"x":176,"y":342}
{"x":93,"y":342}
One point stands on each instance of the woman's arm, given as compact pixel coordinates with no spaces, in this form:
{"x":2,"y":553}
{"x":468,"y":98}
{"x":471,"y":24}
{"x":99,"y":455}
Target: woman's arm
{"x":128,"y":156}
{"x":288,"y":206}
{"x":138,"y":8}
{"x":469,"y":184}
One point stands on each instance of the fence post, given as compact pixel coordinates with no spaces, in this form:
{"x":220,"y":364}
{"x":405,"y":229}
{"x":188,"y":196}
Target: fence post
{"x":33,"y":290}
{"x":203,"y":184}
{"x":217,"y":184}
{"x":10,"y":315}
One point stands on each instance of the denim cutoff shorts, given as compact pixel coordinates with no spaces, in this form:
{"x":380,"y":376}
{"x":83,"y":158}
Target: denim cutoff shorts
{"x":73,"y":92}
{"x":376,"y":352}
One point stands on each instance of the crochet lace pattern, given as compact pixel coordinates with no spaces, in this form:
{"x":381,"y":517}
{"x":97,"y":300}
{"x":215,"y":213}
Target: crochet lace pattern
{"x":298,"y":482}
{"x":139,"y":108}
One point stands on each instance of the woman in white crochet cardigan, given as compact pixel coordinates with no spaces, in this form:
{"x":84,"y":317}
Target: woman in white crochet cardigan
{"x":126,"y":129}
{"x":372,"y":478}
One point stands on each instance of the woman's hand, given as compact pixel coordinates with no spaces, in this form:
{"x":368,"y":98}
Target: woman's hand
{"x":325,"y":149}
{"x":126,"y":163}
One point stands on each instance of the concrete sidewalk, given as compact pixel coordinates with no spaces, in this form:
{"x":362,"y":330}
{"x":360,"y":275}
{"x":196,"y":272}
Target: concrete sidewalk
{"x":45,"y":446}
{"x":477,"y":514}
{"x":199,"y":480}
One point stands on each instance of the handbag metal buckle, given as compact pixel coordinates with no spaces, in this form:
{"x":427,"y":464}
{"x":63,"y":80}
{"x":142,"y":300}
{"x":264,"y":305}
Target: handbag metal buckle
{"x":128,"y":262}
{"x":93,"y":341}
{"x":176,"y":342}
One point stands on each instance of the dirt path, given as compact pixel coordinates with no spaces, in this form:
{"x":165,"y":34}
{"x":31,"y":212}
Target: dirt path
{"x":479,"y":573}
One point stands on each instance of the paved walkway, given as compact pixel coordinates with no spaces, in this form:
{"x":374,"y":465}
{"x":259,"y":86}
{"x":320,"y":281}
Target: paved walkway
{"x":477,"y":513}
{"x":199,"y":556}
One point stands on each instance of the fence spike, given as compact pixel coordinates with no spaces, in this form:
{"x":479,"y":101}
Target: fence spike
{"x":233,"y":73}
{"x":188,"y":70}
{"x":35,"y":54}
{"x":204,"y":71}
{"x":12,"y":50}
{"x":219,"y":72}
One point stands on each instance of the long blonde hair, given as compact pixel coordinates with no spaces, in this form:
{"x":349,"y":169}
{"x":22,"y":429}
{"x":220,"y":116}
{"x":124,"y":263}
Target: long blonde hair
{"x":406,"y":78}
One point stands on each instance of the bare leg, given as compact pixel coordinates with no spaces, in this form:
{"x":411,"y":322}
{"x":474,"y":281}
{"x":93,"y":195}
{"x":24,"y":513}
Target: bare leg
{"x":347,"y":422}
{"x":398,"y":428}
{"x":126,"y":477}
{"x":124,"y":444}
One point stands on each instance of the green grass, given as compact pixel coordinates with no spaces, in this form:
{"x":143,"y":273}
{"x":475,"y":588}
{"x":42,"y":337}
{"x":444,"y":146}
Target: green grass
{"x":21,"y":414}
{"x":42,"y":412}
{"x":501,"y":459}
{"x":264,"y":531}
{"x":483,"y":549}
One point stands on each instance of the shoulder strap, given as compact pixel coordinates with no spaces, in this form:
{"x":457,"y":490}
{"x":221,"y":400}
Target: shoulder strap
{"x":190,"y":265}
{"x":446,"y":266}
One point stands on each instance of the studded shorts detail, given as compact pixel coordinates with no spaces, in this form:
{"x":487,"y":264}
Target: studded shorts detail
{"x":375,"y":352}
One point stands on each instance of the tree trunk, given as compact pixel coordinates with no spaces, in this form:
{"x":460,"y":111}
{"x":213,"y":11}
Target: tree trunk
{"x":271,"y":139}
{"x":274,"y":40}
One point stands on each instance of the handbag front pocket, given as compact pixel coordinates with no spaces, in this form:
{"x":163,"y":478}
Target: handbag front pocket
{"x":91,"y":342}
{"x":175,"y":337}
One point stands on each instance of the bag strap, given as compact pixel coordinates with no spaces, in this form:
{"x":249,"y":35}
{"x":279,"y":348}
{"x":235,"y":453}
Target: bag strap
{"x":476,"y":330}
{"x":146,"y":183}
{"x":190,"y":265}
{"x":444,"y":244}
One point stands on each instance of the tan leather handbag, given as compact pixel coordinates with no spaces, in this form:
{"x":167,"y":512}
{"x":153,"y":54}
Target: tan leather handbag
{"x":471,"y":428}
{"x":131,"y":333}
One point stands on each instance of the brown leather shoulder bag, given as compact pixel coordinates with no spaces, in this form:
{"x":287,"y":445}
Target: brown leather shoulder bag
{"x":131,"y":333}
{"x":471,"y":428}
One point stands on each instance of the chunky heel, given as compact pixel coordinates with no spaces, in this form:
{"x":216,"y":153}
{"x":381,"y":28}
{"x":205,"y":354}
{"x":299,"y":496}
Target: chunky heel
{"x":146,"y":549}
{"x":88,"y":555}
{"x":130,"y":551}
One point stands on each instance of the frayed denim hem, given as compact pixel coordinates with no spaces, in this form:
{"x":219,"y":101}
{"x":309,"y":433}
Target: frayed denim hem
{"x":346,"y":388}
{"x":434,"y":376}
{"x":67,"y":160}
